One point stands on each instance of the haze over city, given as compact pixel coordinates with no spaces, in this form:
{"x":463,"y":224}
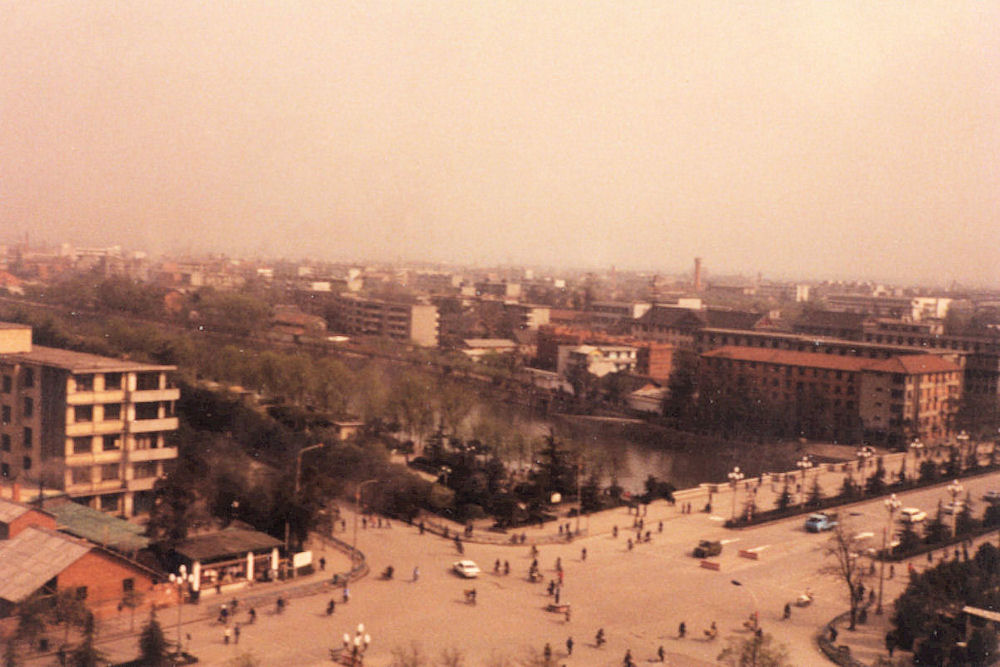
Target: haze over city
{"x":854,"y":140}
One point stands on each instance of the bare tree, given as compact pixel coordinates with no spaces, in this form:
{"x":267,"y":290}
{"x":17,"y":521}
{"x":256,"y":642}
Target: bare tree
{"x":408,"y":656}
{"x":754,"y":651}
{"x":451,"y":657}
{"x":845,"y":547}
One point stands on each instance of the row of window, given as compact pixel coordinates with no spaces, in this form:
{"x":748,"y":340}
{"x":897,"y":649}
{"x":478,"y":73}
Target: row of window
{"x":27,"y":410}
{"x":5,"y":467}
{"x":113,"y":411}
{"x":28,"y":439}
{"x":110,"y":472}
{"x":113,"y":442}
{"x":27,"y":380}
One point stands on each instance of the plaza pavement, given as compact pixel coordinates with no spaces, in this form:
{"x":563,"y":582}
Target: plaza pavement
{"x":637,"y":596}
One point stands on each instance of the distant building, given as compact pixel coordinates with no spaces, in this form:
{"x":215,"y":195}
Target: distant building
{"x":846,"y":325}
{"x":93,"y":427}
{"x":598,"y":360}
{"x":477,"y":348}
{"x":847,"y":398}
{"x":900,"y":307}
{"x":406,"y":322}
{"x":613,"y":314}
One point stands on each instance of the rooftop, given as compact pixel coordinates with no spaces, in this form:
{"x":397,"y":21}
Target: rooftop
{"x":34,"y":557}
{"x":225,"y":543}
{"x":98,"y":527}
{"x":81,"y":362}
{"x":911,"y":364}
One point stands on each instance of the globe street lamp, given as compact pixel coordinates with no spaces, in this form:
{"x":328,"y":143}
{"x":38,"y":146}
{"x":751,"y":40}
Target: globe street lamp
{"x":734,"y":478}
{"x":963,"y":442}
{"x":891,"y":505}
{"x":955,"y":489}
{"x":298,"y":476}
{"x":917,"y":448}
{"x":181,"y":579}
{"x":803,"y":464}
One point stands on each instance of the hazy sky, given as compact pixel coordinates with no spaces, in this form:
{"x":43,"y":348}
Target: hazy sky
{"x":807,"y":139}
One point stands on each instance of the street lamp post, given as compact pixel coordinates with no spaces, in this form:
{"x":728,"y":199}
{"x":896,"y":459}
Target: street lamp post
{"x":734,"y":478}
{"x":298,"y":475}
{"x":891,"y":505}
{"x":181,"y":579}
{"x":756,"y":618}
{"x":916,"y":447}
{"x":963,"y":443}
{"x":955,"y":489}
{"x":803,"y":464}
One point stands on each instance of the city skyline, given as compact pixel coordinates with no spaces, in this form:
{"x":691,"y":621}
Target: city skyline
{"x":805,"y":141}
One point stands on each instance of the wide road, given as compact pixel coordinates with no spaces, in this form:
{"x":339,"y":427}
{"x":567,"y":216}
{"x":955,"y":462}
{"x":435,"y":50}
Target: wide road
{"x":639,"y":597}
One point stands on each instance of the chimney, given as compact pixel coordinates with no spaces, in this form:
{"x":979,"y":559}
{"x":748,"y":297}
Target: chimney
{"x":697,"y":274}
{"x":16,"y":492}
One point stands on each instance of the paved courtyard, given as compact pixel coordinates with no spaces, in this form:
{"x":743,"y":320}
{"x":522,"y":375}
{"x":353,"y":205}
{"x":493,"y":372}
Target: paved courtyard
{"x":638,"y":596}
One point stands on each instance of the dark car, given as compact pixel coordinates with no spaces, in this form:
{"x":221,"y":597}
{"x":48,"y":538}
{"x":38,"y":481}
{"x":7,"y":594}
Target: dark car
{"x":707,"y":548}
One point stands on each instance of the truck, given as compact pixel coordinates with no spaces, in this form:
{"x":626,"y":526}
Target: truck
{"x":707,"y":548}
{"x":820,"y":521}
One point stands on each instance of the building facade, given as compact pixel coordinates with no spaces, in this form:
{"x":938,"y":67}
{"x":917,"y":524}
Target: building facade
{"x":407,"y":322}
{"x":94,"y":427}
{"x":890,"y":400}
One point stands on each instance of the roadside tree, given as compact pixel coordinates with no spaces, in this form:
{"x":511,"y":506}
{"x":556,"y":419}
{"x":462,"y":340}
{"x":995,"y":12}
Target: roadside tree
{"x":844,"y":548}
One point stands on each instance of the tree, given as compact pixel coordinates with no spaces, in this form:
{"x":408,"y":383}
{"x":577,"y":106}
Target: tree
{"x":86,"y":654}
{"x":815,"y":493}
{"x":10,"y":656}
{"x":844,"y":547}
{"x":928,"y":472}
{"x":875,"y":486}
{"x":408,"y":656}
{"x":756,"y":651}
{"x":153,"y":647}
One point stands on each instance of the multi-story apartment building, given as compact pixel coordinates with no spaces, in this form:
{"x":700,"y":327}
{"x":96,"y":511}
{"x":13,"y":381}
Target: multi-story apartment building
{"x":93,"y":427}
{"x":617,"y":314}
{"x":888,"y":400}
{"x":408,"y":322}
{"x":903,"y":307}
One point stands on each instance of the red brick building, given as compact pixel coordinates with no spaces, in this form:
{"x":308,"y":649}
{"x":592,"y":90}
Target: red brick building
{"x":840,"y":397}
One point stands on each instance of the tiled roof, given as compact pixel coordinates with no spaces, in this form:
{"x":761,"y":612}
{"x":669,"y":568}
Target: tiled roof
{"x":34,"y":557}
{"x":910,"y":364}
{"x":668,"y":316}
{"x":790,"y":358}
{"x":732,"y":319}
{"x":829,"y":318}
{"x":915,"y":364}
{"x":9,"y":510}
{"x":226,"y":542}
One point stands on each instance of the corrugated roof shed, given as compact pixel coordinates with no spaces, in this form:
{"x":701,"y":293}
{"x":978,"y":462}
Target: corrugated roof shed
{"x":34,"y":557}
{"x":98,"y":527}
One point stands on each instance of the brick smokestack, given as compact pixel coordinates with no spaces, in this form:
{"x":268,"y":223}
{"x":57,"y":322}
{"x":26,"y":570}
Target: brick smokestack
{"x":697,"y":274}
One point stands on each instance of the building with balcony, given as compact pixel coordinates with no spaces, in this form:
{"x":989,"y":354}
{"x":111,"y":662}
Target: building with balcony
{"x":407,"y":322}
{"x":93,"y":427}
{"x":845,"y":397}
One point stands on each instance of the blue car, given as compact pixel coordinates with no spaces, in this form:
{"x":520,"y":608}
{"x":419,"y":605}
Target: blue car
{"x":817,"y":523}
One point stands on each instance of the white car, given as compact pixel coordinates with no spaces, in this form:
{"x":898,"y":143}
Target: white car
{"x":466,"y":568}
{"x":912,"y":515}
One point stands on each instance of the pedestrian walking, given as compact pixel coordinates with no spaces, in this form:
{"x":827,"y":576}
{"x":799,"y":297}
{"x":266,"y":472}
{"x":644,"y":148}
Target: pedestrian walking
{"x":547,"y":652}
{"x":331,"y":606}
{"x":421,"y":527}
{"x":569,"y":646}
{"x":892,"y":571}
{"x":659,"y":527}
{"x":506,"y":567}
{"x":567,"y":613}
{"x":583,"y":553}
{"x":226,"y":634}
{"x":630,"y":544}
{"x":557,"y":595}
{"x":347,"y":594}
{"x":236,"y":633}
{"x":661,"y":654}
{"x":558,"y":564}
{"x":253,"y":614}
{"x":416,"y":573}
{"x":322,"y":564}
{"x":681,"y":630}
{"x":560,"y":577}
{"x":614,"y":531}
{"x":496,"y":567}
{"x":627,"y":661}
